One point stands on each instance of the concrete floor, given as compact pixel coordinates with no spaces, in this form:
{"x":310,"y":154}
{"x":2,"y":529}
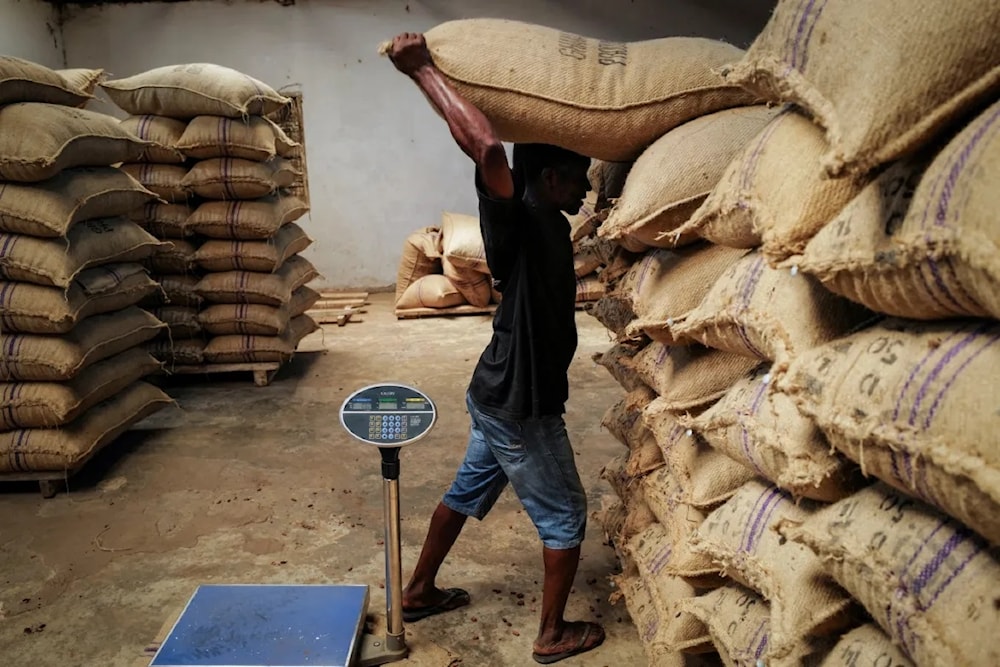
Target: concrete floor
{"x":243,"y":484}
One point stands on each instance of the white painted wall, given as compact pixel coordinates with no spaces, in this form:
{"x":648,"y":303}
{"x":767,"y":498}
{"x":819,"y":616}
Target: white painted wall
{"x":29,"y":29}
{"x":381,"y":163}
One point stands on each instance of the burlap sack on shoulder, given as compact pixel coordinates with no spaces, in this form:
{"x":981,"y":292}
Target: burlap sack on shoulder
{"x":90,"y":243}
{"x":182,"y":321}
{"x":39,"y":358}
{"x":269,"y":289}
{"x":25,"y":81}
{"x":51,"y":404}
{"x":775,"y":194}
{"x":617,"y":359}
{"x":741,"y":537}
{"x":248,"y":349}
{"x":762,"y":429}
{"x":164,"y":134}
{"x":913,"y":404}
{"x":474,"y":286}
{"x":266,"y":256}
{"x":705,"y":476}
{"x":462,"y":242}
{"x":866,"y":645}
{"x":770,"y":314}
{"x":922,"y":246}
{"x":179,"y":290}
{"x":233,"y":178}
{"x":166,"y":180}
{"x":430,"y":291}
{"x":667,"y":284}
{"x":254,"y":319}
{"x":194,"y":89}
{"x":421,"y":257}
{"x":50,"y":208}
{"x":928,"y":581}
{"x":164,"y":221}
{"x":673,"y":176}
{"x":184,"y":352}
{"x":41,"y":140}
{"x":29,"y":308}
{"x":82,"y":80}
{"x":249,"y":138}
{"x":173,"y":257}
{"x":606,"y":100}
{"x":690,"y":376}
{"x":59,"y":449}
{"x":880,"y":86}
{"x":256,"y":219}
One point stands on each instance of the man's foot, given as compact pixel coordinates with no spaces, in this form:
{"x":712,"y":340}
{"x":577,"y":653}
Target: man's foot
{"x":436,"y":602}
{"x":576,"y":638}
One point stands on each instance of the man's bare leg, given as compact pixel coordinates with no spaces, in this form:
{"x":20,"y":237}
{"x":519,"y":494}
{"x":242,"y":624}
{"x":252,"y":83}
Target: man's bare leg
{"x":446,"y":525}
{"x":555,"y":634}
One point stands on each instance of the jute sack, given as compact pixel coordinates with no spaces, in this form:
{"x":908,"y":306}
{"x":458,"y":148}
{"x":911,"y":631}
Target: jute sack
{"x":881,"y":87}
{"x":269,"y":289}
{"x":648,"y":620}
{"x":430,"y":291}
{"x":462,"y":242}
{"x":82,"y":80}
{"x":584,"y":222}
{"x":266,"y":256}
{"x":163,"y":133}
{"x":51,"y":404}
{"x":164,"y":221}
{"x":690,"y":376}
{"x":623,"y":420}
{"x":771,"y":314}
{"x":166,"y":180}
{"x":614,"y":311}
{"x":928,"y":581}
{"x":673,"y":176}
{"x":602,"y":99}
{"x":38,"y":358}
{"x":254,"y":319}
{"x":421,"y":257}
{"x":240,"y":349}
{"x":175,"y":256}
{"x":28,"y":308}
{"x":194,"y":89}
{"x":248,"y":220}
{"x":866,"y":645}
{"x":625,"y":486}
{"x":923,"y":252}
{"x":775,"y":193}
{"x":474,"y":286}
{"x":913,"y":404}
{"x":180,"y":290}
{"x":184,"y":352}
{"x":249,"y":138}
{"x":620,"y":523}
{"x":763,"y":430}
{"x":617,"y":359}
{"x":58,"y":449}
{"x":50,"y":208}
{"x":589,"y":288}
{"x":182,"y":321}
{"x":90,"y":243}
{"x":669,"y":283}
{"x":233,"y":178}
{"x":608,"y":180}
{"x":741,"y":538}
{"x":585,"y":264}
{"x":26,"y":81}
{"x":41,"y":140}
{"x":705,"y":476}
{"x":737,"y":620}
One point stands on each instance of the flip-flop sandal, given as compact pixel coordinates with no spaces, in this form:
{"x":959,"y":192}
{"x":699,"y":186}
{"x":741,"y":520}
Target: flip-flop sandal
{"x":456,"y":598}
{"x":581,"y":647}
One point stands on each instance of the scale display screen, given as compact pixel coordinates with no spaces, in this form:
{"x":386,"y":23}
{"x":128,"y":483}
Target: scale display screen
{"x":388,"y":415}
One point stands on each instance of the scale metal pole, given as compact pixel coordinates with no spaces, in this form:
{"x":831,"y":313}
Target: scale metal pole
{"x":395,"y":635}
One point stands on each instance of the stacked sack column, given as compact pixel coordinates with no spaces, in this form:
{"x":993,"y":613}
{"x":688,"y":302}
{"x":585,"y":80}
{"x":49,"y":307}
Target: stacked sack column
{"x":251,"y":277}
{"x":71,"y":335}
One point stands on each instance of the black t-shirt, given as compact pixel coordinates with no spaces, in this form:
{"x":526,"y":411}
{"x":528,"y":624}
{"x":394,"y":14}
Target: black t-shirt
{"x":522,"y":373}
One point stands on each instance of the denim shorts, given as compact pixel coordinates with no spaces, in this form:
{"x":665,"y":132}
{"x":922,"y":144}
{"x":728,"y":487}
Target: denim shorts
{"x":536,"y":457}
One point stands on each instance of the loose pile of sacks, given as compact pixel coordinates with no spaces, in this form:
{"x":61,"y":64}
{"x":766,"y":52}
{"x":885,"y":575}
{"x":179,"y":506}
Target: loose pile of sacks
{"x":233,"y":281}
{"x":72,"y":335}
{"x":445,"y":266}
{"x":802,"y":273}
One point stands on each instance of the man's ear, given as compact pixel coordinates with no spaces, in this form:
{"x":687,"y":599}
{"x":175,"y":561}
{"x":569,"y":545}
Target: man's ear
{"x":549,"y":177}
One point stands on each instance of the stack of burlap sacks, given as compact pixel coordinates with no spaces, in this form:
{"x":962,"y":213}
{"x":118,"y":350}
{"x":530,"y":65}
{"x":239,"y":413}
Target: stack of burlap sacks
{"x":234,"y":284}
{"x":445,"y":266}
{"x":72,"y":360}
{"x":802,"y":272}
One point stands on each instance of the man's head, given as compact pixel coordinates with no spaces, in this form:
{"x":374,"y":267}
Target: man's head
{"x":556,"y":176}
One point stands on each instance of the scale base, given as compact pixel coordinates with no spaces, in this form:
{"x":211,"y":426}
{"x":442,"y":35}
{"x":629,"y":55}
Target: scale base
{"x":375,"y":651}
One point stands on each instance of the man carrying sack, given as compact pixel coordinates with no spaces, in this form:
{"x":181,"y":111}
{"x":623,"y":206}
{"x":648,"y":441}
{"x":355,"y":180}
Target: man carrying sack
{"x":516,"y":398}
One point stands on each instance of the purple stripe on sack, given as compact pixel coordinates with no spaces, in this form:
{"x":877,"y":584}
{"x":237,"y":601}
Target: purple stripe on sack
{"x":661,"y":560}
{"x":227,"y":189}
{"x":941,"y":365}
{"x":758,"y":399}
{"x":144,"y":123}
{"x":913,"y":376}
{"x":762,"y":644}
{"x":958,"y":167}
{"x":930,"y":569}
{"x":808,"y":40}
{"x":755,"y":538}
{"x":944,"y":390}
{"x":749,"y":168}
{"x":756,"y":526}
{"x":941,"y":285}
{"x":746,"y":527}
{"x":662,"y":355}
{"x":799,"y":32}
{"x":224,"y":136}
{"x":977,"y":547}
{"x":643,"y":272}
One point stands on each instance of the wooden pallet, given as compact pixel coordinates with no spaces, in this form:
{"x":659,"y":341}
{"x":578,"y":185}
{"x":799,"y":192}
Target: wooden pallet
{"x":263,"y":372}
{"x":412,"y":313}
{"x":49,"y":483}
{"x":339,"y":308}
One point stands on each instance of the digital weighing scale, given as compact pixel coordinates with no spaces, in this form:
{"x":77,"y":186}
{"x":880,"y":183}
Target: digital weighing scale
{"x":249,"y":625}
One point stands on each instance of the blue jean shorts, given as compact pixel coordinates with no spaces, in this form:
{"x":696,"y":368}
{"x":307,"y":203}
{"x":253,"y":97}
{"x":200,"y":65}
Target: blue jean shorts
{"x":536,"y":457}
